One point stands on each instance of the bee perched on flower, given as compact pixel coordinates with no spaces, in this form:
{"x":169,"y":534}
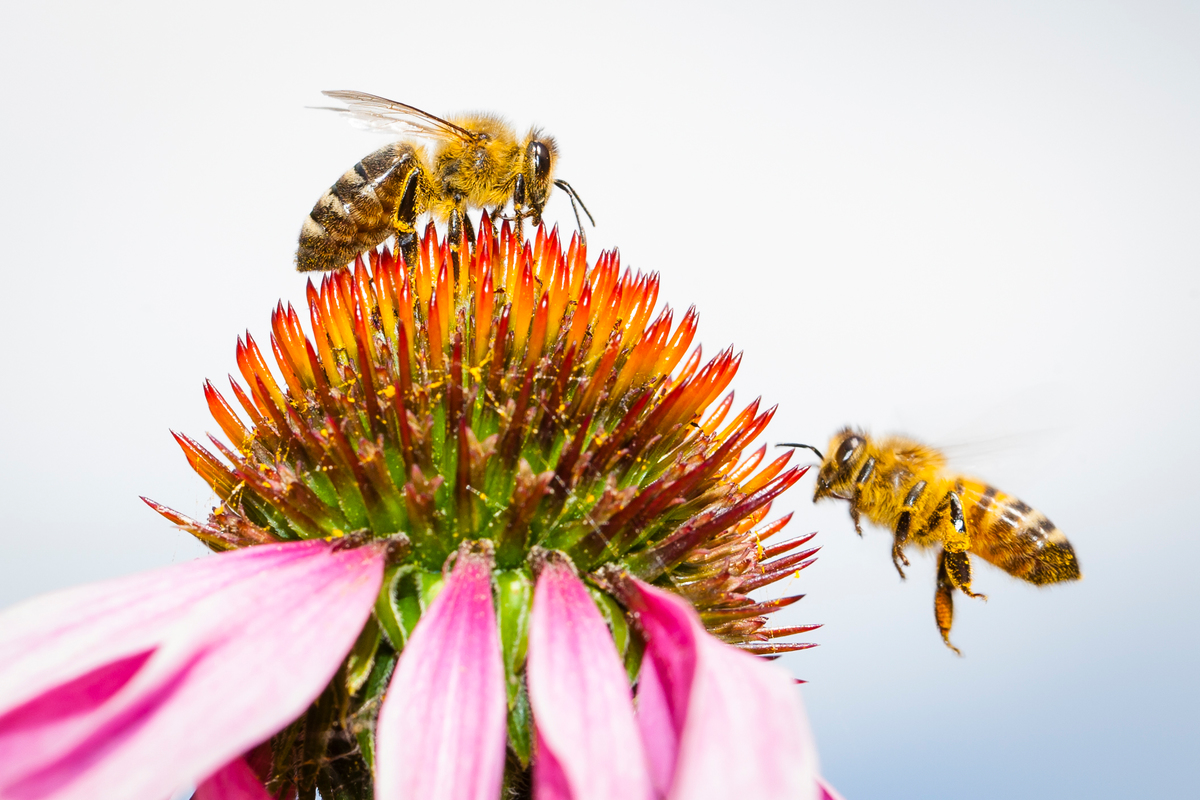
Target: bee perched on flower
{"x":487,"y":532}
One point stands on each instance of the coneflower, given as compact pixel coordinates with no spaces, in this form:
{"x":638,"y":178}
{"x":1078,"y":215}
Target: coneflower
{"x":490,"y":531}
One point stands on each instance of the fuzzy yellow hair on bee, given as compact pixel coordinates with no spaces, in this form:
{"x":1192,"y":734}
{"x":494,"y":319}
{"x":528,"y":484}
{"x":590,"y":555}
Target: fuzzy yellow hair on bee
{"x":905,"y":486}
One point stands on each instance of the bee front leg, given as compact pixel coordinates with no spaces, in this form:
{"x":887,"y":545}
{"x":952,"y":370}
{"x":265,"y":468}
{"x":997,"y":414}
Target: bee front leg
{"x":943,"y":602}
{"x":856,"y":517}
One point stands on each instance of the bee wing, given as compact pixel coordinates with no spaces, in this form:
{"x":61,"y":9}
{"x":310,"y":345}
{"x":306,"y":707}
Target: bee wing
{"x":389,"y":116}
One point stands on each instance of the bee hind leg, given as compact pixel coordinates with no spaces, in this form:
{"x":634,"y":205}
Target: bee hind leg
{"x":405,"y":222}
{"x":943,"y":602}
{"x":460,"y":233}
{"x":958,"y":564}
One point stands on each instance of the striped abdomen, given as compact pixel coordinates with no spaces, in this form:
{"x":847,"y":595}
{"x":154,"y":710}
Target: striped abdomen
{"x":360,"y":210}
{"x":1014,"y":537}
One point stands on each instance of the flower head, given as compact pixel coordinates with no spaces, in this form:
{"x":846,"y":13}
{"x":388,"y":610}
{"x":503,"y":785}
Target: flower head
{"x":528,"y":500}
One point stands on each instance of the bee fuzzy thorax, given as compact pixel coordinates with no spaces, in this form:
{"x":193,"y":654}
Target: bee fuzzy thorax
{"x":904,"y":486}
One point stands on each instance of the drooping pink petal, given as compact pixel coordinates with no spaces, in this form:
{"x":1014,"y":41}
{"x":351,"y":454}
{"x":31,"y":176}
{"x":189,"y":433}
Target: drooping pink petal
{"x":740,"y":727}
{"x":441,"y":730}
{"x":825,"y":791}
{"x":60,"y":636}
{"x":550,"y":782}
{"x":588,"y":742}
{"x":660,"y":732}
{"x":136,"y":687}
{"x":234,"y":781}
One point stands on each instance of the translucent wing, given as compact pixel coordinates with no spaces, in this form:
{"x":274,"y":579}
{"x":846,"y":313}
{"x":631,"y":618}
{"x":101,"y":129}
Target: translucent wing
{"x":388,"y":116}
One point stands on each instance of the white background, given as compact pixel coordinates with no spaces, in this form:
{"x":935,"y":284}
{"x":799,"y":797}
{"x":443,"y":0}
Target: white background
{"x":974,"y":223}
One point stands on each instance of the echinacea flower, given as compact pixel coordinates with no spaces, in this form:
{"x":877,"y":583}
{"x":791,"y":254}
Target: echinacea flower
{"x":490,"y":535}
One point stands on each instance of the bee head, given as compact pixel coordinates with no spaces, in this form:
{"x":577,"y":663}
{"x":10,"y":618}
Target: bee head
{"x":847,"y":451}
{"x":536,"y":174}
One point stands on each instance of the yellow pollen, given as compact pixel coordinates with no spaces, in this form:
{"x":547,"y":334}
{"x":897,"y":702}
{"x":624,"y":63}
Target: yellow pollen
{"x":389,"y":391}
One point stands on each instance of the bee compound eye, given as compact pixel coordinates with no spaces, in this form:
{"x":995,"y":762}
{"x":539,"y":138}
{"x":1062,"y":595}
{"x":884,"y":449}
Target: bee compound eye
{"x":539,"y":160}
{"x":847,"y":449}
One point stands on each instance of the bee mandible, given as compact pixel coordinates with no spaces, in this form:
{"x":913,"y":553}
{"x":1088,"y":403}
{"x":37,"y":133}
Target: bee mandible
{"x":905,"y":486}
{"x":473,"y":160}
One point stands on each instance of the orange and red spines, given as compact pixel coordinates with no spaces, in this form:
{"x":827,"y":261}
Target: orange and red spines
{"x":364,"y":335}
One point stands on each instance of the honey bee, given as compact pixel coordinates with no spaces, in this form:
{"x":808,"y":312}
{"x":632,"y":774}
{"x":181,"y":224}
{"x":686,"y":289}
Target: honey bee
{"x":904,"y":486}
{"x":475,"y":160}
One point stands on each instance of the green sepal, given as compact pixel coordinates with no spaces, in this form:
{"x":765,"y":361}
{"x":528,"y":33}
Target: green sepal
{"x":633,"y":656}
{"x":376,"y":683}
{"x":520,"y":726}
{"x":366,"y":744}
{"x":386,"y":610}
{"x":407,"y":592}
{"x":362,"y":656}
{"x":514,"y":598}
{"x":430,"y":586}
{"x":614,"y":617}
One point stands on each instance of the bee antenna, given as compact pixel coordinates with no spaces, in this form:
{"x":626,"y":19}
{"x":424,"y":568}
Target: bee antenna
{"x":571,"y":193}
{"x":806,"y":446}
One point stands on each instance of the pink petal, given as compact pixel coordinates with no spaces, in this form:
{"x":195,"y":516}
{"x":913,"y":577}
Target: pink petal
{"x":589,"y":746}
{"x":550,"y":782}
{"x":741,"y":728}
{"x":825,"y":791}
{"x":660,"y":733}
{"x":441,"y":730}
{"x":60,"y":636}
{"x":234,"y":781}
{"x":136,"y":687}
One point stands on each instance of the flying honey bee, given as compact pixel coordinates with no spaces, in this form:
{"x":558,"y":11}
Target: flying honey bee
{"x":904,"y":486}
{"x":474,"y":160}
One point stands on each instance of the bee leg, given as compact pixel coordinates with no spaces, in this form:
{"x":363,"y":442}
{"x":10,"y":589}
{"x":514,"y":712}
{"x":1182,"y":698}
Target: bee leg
{"x":856,"y":518}
{"x":406,"y":220}
{"x":943,"y":602}
{"x":460,"y":224}
{"x":903,"y":524}
{"x":518,"y":229}
{"x":469,"y":228}
{"x":863,"y":476}
{"x":958,"y":564}
{"x":898,"y":556}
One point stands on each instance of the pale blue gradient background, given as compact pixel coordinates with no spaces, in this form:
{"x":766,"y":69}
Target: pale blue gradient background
{"x":977,"y":223}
